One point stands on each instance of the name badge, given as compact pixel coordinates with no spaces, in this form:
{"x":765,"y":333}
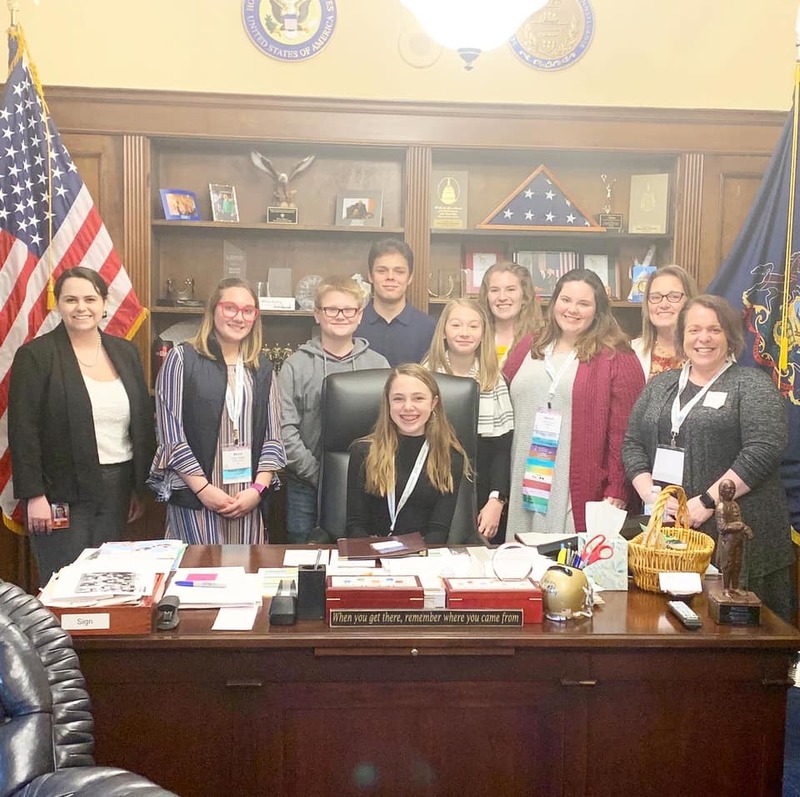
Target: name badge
{"x":668,"y":465}
{"x":714,"y":399}
{"x":236,"y":464}
{"x":547,"y":425}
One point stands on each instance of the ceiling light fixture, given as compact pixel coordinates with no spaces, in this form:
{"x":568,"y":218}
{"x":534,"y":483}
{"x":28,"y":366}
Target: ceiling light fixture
{"x":472,"y":26}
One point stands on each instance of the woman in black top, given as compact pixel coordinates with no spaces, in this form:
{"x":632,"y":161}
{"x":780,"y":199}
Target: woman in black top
{"x":80,"y":428}
{"x":405,"y":476}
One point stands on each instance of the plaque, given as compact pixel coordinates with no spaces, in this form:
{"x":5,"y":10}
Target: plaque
{"x":613,"y":222}
{"x":282,"y":215}
{"x":449,"y":200}
{"x":649,"y":200}
{"x":234,"y":261}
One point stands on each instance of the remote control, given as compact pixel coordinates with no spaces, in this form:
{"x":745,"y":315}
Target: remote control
{"x":687,"y":617}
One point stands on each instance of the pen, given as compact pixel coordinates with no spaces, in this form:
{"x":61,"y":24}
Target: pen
{"x":207,"y":585}
{"x":316,"y":564}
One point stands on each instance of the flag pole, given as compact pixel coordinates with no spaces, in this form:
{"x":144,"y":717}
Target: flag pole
{"x":783,"y":356}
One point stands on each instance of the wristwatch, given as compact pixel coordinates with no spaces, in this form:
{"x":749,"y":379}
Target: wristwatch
{"x":496,"y":495}
{"x":259,"y":488}
{"x":707,"y":501}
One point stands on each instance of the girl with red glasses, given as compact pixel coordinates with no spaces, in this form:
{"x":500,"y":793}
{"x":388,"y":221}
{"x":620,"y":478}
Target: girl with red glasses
{"x":219,"y":427}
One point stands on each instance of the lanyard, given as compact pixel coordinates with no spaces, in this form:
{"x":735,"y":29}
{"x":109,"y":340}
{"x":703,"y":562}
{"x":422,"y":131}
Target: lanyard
{"x":235,"y":398}
{"x":413,"y":478}
{"x":678,"y":415}
{"x":555,"y":377}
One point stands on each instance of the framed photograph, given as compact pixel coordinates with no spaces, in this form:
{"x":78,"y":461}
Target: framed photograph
{"x":223,"y":202}
{"x":476,"y":263}
{"x":358,"y":208}
{"x":605,"y":270}
{"x":179,"y":205}
{"x":546,"y":268}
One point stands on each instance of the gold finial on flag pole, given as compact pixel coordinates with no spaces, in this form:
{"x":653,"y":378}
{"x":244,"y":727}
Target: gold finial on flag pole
{"x":13,"y":7}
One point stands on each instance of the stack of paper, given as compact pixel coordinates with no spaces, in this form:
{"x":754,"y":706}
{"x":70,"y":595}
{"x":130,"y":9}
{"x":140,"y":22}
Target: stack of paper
{"x":98,"y":583}
{"x":215,"y":587}
{"x":164,"y":555}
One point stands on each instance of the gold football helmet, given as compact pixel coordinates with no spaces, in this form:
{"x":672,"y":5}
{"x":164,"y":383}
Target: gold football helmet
{"x":566,"y":593}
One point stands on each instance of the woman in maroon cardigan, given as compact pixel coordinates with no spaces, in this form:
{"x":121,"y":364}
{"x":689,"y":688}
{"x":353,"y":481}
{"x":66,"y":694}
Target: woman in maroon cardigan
{"x":572,"y":389}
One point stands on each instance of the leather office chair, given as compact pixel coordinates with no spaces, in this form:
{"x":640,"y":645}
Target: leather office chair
{"x":46,"y":727}
{"x":350,"y":404}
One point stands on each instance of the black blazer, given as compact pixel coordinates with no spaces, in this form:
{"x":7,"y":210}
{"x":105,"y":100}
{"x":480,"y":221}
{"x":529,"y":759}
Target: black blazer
{"x":50,"y":424}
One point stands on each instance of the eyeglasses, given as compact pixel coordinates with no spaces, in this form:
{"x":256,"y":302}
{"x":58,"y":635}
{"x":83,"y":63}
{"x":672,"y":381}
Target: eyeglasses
{"x":346,"y":312}
{"x":673,"y":297}
{"x":231,"y":310}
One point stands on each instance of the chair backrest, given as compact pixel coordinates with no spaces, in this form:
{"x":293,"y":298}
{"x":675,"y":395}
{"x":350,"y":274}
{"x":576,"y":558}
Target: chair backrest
{"x":54,"y":721}
{"x":350,"y":404}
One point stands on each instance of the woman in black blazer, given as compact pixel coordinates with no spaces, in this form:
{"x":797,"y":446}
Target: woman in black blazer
{"x":81,"y":429}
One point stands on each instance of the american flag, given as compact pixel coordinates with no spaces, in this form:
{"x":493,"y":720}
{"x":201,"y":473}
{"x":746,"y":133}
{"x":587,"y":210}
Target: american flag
{"x":48,"y":223}
{"x":540,"y":203}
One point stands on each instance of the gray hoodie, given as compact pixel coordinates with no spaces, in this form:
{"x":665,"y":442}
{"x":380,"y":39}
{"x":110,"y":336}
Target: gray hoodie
{"x":300,"y":384}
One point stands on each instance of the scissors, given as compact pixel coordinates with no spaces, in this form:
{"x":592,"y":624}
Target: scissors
{"x":595,"y":550}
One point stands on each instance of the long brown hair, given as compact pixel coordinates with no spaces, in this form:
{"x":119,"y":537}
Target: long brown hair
{"x":250,"y":346}
{"x":604,"y":331}
{"x":381,"y":474}
{"x":529,"y":319}
{"x":488,"y":368}
{"x":649,"y":333}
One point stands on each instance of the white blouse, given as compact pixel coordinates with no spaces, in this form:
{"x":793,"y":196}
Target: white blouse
{"x":111,"y":410}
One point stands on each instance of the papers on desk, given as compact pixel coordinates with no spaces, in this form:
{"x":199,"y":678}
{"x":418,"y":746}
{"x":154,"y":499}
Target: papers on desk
{"x":159,"y":555}
{"x":271,"y":577}
{"x":215,"y":587}
{"x":89,"y":582}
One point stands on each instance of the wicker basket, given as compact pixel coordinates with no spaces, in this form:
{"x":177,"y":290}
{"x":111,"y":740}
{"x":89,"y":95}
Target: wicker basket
{"x":646,"y":560}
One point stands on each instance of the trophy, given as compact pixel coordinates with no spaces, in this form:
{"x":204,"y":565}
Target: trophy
{"x":614,"y":222}
{"x":286,"y":211}
{"x":732,"y":605}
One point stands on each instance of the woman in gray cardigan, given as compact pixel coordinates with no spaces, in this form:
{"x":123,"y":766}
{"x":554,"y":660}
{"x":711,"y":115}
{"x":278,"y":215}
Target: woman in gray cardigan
{"x":730,"y":422}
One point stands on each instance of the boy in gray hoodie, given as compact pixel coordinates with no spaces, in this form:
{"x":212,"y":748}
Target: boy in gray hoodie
{"x":338,"y":307}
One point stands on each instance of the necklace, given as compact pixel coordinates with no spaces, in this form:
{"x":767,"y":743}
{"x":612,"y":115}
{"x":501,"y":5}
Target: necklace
{"x":96,"y":355}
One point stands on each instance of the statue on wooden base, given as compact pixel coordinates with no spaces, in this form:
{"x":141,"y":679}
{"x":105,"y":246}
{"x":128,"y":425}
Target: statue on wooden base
{"x":732,"y":605}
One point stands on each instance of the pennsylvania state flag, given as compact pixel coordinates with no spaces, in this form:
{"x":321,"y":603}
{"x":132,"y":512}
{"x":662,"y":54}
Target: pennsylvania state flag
{"x":757,"y":278}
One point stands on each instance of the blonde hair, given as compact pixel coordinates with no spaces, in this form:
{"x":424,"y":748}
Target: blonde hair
{"x":529,"y":320}
{"x":342,"y":284}
{"x":649,"y":333}
{"x":381,"y":474}
{"x":250,"y":347}
{"x":488,"y":368}
{"x":604,"y":331}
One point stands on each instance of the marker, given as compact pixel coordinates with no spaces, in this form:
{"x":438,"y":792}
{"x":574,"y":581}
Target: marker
{"x":200,"y":584}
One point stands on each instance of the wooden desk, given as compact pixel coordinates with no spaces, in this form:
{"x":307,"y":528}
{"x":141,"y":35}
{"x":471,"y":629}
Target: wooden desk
{"x":625,"y":703}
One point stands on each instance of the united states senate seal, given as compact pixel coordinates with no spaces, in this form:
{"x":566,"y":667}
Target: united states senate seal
{"x":289,"y":30}
{"x":556,"y":36}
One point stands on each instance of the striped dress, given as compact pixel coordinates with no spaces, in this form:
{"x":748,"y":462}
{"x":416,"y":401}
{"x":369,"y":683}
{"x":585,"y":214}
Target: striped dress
{"x":202,"y":526}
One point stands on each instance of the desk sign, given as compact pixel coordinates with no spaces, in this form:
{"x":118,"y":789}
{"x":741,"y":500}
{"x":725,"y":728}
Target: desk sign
{"x":416,"y":618}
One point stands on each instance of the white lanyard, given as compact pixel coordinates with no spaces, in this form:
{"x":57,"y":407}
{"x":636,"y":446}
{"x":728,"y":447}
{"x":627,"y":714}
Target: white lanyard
{"x":678,"y":415}
{"x":555,"y":378}
{"x":235,"y":398}
{"x":413,"y":478}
